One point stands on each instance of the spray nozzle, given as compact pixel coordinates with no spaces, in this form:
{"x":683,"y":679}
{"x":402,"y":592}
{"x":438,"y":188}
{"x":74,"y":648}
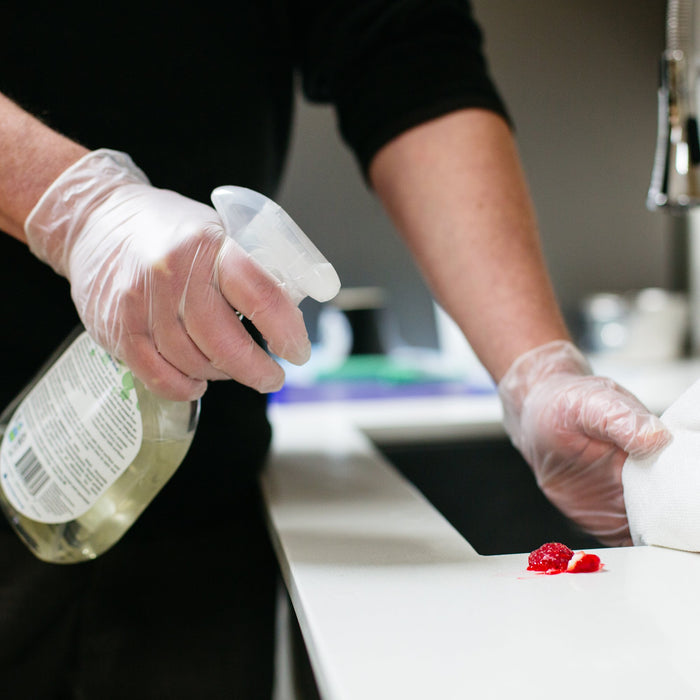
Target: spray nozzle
{"x":271,"y":237}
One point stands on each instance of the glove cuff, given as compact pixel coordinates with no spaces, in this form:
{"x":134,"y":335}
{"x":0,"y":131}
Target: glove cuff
{"x":64,"y":208}
{"x":557,"y":357}
{"x":531,"y":368}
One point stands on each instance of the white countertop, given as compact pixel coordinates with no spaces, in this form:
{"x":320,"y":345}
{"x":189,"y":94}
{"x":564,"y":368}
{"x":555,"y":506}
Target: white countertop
{"x":394,"y":603}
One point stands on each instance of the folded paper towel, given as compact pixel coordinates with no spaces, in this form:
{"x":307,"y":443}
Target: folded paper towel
{"x":662,"y":492}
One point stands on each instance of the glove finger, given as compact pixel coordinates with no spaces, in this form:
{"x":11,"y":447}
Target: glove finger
{"x":158,"y":375}
{"x":607,"y":412}
{"x":229,"y":346}
{"x":589,"y":490}
{"x":261,"y":298}
{"x":176,"y":347}
{"x":166,"y":285}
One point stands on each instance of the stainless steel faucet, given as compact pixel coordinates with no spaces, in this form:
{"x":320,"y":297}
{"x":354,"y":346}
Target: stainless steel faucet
{"x":675,"y":180}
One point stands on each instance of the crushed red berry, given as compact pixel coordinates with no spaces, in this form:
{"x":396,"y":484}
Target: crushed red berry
{"x":557,"y":558}
{"x":582,"y":563}
{"x":553,"y":556}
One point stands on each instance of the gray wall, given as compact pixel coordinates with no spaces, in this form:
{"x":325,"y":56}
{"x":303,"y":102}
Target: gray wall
{"x":580,"y":81}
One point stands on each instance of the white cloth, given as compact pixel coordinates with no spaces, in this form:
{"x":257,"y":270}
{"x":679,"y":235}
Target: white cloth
{"x":662,"y":492}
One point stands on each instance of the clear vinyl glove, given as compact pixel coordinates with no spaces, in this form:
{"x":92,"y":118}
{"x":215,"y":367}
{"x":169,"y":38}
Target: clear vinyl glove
{"x":575,"y":430}
{"x":157,"y":282}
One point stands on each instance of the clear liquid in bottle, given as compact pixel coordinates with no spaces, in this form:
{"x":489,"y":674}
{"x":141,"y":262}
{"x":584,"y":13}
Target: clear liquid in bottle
{"x":85,"y":448}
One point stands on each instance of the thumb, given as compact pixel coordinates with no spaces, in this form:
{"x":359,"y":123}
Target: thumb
{"x":611,"y":414}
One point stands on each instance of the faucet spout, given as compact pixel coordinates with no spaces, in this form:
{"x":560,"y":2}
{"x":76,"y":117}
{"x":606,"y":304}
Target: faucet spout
{"x":675,"y":180}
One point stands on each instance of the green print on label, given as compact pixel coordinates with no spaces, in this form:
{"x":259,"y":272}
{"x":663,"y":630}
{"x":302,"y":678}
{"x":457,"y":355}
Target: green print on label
{"x":127,"y":385}
{"x":104,"y":357}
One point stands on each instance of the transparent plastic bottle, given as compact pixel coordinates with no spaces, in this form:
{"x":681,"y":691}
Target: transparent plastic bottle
{"x":85,"y":448}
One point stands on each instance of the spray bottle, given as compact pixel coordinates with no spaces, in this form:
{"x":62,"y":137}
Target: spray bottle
{"x":85,"y":447}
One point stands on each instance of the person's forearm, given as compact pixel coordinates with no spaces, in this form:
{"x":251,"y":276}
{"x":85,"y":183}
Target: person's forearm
{"x":32,"y":157}
{"x":455,"y":190}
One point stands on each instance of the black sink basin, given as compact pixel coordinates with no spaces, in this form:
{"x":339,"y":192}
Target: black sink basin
{"x":487,"y":492}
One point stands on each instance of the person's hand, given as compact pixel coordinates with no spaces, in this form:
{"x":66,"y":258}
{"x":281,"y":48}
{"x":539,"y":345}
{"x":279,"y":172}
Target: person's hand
{"x":157,"y":283}
{"x":576,"y":430}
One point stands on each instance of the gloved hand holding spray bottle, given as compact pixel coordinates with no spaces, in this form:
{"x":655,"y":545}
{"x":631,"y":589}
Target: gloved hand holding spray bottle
{"x":158,"y":282}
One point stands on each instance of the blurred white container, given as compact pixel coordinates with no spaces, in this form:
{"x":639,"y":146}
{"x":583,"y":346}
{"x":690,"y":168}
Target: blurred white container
{"x":646,"y":325}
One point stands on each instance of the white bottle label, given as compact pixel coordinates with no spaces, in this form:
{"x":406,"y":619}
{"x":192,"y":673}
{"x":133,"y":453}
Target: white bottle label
{"x":72,"y":436}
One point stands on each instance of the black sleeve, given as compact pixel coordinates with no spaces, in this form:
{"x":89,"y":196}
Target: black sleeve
{"x":388,"y":65}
